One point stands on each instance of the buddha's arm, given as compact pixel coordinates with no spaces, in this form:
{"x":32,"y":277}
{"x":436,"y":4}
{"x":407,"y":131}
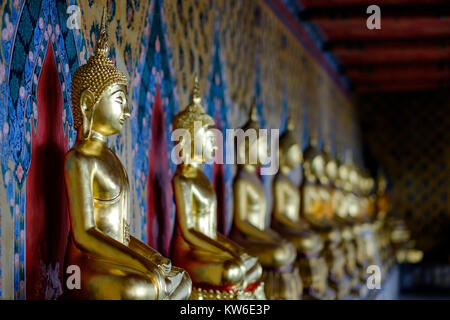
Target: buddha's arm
{"x":79,"y":175}
{"x":230,"y":245}
{"x":184,"y":205}
{"x":280,"y":193}
{"x":240,"y":209}
{"x":141,"y":248}
{"x":149,"y":253}
{"x":220,"y":248}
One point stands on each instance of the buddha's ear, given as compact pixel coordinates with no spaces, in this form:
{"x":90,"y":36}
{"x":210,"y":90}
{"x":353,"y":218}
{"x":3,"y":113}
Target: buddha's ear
{"x":86,"y":102}
{"x":86,"y":106}
{"x":182,"y":147}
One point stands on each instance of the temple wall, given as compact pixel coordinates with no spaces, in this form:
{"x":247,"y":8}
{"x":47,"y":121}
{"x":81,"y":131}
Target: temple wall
{"x":241,"y":51}
{"x":409,"y":135}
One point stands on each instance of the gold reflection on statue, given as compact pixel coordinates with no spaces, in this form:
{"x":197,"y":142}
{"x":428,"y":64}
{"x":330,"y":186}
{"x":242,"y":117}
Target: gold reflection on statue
{"x":220,"y":268}
{"x":113,"y":263}
{"x":286,"y":220}
{"x":251,"y":222}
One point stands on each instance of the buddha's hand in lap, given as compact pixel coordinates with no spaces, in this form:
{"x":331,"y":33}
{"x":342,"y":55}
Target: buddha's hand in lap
{"x":248,"y":260}
{"x":159,"y":264}
{"x":245,"y":256}
{"x":164,"y":264}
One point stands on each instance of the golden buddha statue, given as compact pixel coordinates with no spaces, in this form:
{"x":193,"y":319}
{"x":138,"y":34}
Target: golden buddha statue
{"x":340,"y":212}
{"x":251,"y":222}
{"x":383,"y":204}
{"x":317,"y":209}
{"x":287,"y":222}
{"x":344,"y":208}
{"x":350,"y":177}
{"x":220,"y":268}
{"x":397,"y":236}
{"x":366,"y":215}
{"x":113,"y":264}
{"x":403,"y":244}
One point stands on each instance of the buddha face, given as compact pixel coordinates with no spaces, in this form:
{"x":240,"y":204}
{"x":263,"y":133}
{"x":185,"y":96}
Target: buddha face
{"x":293,"y":157}
{"x":253,"y":152}
{"x":262,"y":150}
{"x":318,"y":165}
{"x":382,"y":184}
{"x":111,"y":110}
{"x":343,"y":173}
{"x":208,"y":141}
{"x":199,"y":149}
{"x":354,"y":178}
{"x":353,"y":206}
{"x":332,"y":169}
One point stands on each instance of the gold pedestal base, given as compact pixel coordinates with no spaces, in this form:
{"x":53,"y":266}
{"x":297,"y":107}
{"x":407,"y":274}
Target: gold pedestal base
{"x":283,"y":285}
{"x":257,"y":293}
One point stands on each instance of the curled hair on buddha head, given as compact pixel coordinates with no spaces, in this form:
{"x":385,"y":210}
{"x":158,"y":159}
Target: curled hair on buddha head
{"x":97,"y":75}
{"x":288,"y":139}
{"x":186,"y":118}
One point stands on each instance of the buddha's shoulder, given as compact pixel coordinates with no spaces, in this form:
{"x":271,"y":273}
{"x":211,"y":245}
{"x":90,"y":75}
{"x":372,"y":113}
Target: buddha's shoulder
{"x":243,"y":176}
{"x":81,"y":153}
{"x":281,"y":179}
{"x":187,"y":175}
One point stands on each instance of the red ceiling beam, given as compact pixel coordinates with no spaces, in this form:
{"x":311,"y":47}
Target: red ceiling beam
{"x":397,"y":44}
{"x":391,"y":55}
{"x":380,"y":77}
{"x":403,"y":86}
{"x":425,"y":11}
{"x":391,"y":29}
{"x":398,"y":68}
{"x":342,"y":3}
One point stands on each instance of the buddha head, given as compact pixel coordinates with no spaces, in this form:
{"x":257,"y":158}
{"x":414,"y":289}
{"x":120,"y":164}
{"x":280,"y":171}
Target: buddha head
{"x":197,"y":139}
{"x":342,"y":176}
{"x":382,"y":196}
{"x":253,"y":148}
{"x":331,"y":165}
{"x":367,"y":184}
{"x":312,"y":161}
{"x":290,"y":153}
{"x":346,"y":169}
{"x":318,"y":165}
{"x":99,"y":93}
{"x":365,"y":187}
{"x":381,"y":184}
{"x":354,"y":179}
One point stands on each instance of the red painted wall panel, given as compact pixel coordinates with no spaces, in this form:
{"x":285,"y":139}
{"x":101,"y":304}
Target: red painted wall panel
{"x":47,"y":219}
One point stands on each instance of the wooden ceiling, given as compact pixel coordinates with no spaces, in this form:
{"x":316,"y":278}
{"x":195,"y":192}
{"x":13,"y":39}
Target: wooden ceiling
{"x":411,"y":51}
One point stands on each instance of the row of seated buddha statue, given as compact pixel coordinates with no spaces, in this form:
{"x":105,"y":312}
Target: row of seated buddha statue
{"x":315,"y":244}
